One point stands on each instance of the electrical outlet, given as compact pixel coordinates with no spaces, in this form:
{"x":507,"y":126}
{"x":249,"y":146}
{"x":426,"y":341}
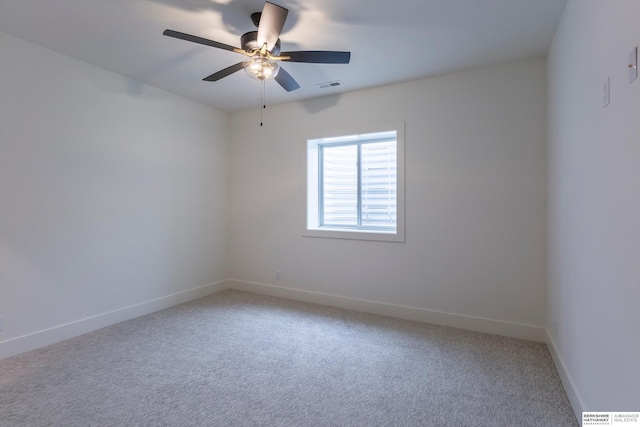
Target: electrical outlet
{"x":633,"y":64}
{"x":606,"y":92}
{"x":277,"y":275}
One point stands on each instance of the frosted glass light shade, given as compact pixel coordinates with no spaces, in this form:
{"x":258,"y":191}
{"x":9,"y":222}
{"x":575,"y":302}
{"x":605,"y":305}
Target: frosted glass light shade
{"x":261,"y":68}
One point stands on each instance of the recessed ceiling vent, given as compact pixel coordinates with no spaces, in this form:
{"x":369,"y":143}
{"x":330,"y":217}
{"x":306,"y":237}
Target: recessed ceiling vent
{"x":329,"y":84}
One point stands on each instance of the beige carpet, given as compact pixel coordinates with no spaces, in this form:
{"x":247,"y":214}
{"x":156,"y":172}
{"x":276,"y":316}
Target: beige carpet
{"x":240,"y":359}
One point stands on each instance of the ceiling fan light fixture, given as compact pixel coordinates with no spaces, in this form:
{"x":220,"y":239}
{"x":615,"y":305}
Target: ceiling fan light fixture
{"x":261,"y":67}
{"x":263,"y":49}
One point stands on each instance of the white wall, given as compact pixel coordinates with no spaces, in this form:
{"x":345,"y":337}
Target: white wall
{"x":594,"y":205}
{"x":112,"y":194}
{"x":476,"y":191}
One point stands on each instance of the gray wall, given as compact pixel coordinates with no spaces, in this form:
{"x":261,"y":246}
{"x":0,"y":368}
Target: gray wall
{"x":112,"y":193}
{"x":475,"y":197}
{"x":594,"y":205}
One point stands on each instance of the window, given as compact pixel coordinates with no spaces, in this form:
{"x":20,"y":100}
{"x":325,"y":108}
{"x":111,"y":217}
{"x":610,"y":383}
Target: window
{"x":355,"y":185}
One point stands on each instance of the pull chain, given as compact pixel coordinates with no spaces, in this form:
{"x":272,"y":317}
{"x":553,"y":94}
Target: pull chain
{"x":263,"y":102}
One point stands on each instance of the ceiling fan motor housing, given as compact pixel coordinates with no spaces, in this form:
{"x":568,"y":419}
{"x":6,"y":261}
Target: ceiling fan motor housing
{"x":249,"y":42}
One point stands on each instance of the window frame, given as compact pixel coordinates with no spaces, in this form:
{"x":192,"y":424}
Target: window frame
{"x":314,"y":182}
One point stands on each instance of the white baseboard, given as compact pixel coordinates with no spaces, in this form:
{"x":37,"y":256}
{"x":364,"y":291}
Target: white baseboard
{"x":479,"y":324}
{"x":59,"y":333}
{"x":567,"y":382}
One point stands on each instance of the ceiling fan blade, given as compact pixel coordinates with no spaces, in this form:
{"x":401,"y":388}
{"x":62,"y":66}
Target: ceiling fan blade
{"x":318,"y":56}
{"x":271,"y":23}
{"x":286,"y":81}
{"x":196,"y":39}
{"x":224,"y":73}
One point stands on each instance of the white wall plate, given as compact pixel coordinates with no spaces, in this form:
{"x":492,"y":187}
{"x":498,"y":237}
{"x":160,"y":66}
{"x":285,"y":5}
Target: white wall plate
{"x":633,"y":64}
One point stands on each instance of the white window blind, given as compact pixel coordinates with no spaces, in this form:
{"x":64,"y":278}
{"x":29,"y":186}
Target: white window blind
{"x":379,"y":184}
{"x":339,"y":170}
{"x":359,"y":182}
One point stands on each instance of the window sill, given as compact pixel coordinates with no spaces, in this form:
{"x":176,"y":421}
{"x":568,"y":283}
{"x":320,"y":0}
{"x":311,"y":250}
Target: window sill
{"x":378,"y":236}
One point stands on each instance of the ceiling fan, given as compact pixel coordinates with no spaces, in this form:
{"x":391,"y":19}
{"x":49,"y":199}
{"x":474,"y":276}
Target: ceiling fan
{"x":262,"y":48}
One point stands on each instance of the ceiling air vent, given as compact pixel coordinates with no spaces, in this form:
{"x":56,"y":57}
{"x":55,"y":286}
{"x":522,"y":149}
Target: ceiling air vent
{"x":329,"y":84}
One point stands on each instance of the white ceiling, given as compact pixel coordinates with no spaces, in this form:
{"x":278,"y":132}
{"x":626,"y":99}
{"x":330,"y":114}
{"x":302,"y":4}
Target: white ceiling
{"x":390,"y":40}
